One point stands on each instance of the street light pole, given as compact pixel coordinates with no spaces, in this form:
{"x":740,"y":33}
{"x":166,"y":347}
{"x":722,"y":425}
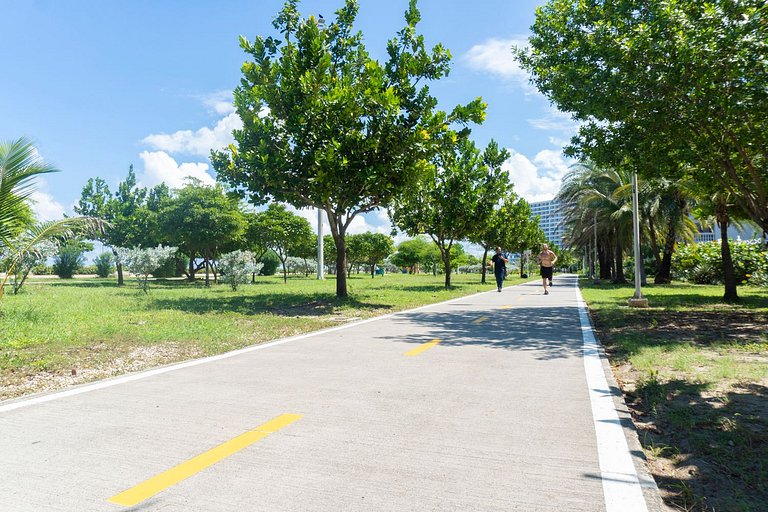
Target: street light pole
{"x":320,"y":243}
{"x":320,"y":263}
{"x":637,"y":301}
{"x":594,"y":254}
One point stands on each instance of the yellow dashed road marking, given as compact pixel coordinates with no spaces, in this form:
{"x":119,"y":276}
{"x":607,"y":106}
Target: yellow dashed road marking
{"x":426,"y":346}
{"x":162,"y":481}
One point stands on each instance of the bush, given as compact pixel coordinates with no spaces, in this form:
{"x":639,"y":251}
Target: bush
{"x":43,"y":270}
{"x":68,"y":260}
{"x":300,"y":266}
{"x":702,"y":263}
{"x":141,"y":262}
{"x":104,"y":262}
{"x":237,"y":267}
{"x":271,"y":262}
{"x":167,"y":269}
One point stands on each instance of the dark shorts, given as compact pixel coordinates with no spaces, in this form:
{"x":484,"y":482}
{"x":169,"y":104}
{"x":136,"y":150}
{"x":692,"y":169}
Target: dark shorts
{"x":546,"y":272}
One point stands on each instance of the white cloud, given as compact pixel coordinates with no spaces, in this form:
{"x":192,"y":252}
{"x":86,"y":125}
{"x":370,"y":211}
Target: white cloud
{"x":200,"y":142}
{"x":555,"y":120}
{"x":538,"y":180}
{"x":219,"y":102}
{"x":556,"y":141}
{"x":46,"y":207}
{"x":495,"y":57}
{"x":159,"y":167}
{"x":551,"y":163}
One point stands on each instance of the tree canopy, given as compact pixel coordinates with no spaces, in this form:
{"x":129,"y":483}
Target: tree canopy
{"x":666,"y":87}
{"x":327,"y":126}
{"x":456,"y":198}
{"x":282,"y":231}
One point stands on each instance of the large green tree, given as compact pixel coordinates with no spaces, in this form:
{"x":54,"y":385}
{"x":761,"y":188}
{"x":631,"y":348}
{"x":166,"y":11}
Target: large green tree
{"x":510,"y":227}
{"x":370,"y":249}
{"x":131,"y":213}
{"x":456,"y":197}
{"x":659,"y":84}
{"x":414,"y":254}
{"x":284,"y":232}
{"x":203,"y":222}
{"x":327,"y":126}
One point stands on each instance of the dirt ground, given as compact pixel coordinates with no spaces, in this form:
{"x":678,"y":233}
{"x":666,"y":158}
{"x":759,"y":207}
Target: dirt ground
{"x":707,"y":444}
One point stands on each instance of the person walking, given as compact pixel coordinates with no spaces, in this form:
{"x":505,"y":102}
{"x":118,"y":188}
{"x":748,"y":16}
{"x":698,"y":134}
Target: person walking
{"x":547,"y":260}
{"x":499,"y":267}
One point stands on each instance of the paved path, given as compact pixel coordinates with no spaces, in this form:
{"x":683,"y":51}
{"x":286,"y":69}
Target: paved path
{"x":496,"y":416}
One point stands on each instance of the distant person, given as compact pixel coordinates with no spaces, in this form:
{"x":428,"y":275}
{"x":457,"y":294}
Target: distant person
{"x":499,"y":267}
{"x":547,"y":260}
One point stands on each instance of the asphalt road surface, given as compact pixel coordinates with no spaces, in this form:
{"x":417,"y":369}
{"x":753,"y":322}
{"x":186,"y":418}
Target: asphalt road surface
{"x":492,"y":402}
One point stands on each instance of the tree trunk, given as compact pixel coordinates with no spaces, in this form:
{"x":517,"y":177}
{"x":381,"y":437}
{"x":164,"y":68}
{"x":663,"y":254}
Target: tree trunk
{"x":191,"y":273}
{"x":207,"y":276}
{"x":620,"y":278}
{"x":522,"y":264}
{"x":731,"y":294}
{"x":447,"y":263}
{"x":285,"y":270}
{"x":373,"y":271}
{"x":119,"y":267}
{"x":341,"y":265}
{"x":654,"y":241}
{"x":606,"y":261}
{"x":664,"y":273}
{"x":485,"y":262}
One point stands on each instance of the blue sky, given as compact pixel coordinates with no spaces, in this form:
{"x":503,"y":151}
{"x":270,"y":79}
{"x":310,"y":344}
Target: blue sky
{"x":99,"y":85}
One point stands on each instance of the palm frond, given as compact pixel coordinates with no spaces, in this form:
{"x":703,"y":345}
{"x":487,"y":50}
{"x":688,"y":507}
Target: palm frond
{"x":19,"y":165}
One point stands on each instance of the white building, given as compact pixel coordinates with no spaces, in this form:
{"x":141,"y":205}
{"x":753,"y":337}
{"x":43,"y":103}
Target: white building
{"x":746,"y":232}
{"x":550,"y":219}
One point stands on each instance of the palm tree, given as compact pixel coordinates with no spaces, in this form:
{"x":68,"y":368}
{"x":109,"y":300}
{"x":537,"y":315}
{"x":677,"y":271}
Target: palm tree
{"x":666,"y":206}
{"x":20,"y":164}
{"x":599,"y":199}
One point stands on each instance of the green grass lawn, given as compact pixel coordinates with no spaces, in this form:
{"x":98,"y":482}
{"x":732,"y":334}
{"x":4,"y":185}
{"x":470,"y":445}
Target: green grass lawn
{"x":97,"y":329}
{"x":694,"y":372}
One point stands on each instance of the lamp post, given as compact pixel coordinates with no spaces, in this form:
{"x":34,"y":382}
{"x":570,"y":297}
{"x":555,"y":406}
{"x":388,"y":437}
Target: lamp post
{"x":320,"y":263}
{"x":595,"y":279}
{"x":320,"y":244}
{"x":637,"y":301}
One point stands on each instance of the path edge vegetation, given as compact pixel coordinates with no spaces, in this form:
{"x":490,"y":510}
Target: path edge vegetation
{"x":692,"y":371}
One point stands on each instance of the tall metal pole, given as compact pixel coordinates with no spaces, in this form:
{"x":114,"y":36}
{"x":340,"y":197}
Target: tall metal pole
{"x":637,"y":300}
{"x":320,"y":267}
{"x":594,"y":259}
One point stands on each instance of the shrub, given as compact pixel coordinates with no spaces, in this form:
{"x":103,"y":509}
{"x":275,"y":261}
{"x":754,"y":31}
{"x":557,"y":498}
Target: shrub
{"x":270,"y":262}
{"x":43,"y":270}
{"x":68,"y":260}
{"x":236,"y":267}
{"x":141,"y":262}
{"x":702,"y":263}
{"x":167,"y":269}
{"x":104,"y":262}
{"x":300,"y":266}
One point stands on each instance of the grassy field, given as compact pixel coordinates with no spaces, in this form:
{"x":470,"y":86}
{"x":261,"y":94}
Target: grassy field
{"x":694,"y":372}
{"x":57,"y":333}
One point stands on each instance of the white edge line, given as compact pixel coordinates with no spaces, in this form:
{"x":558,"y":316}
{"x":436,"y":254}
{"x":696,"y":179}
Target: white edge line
{"x":621,"y":485}
{"x":18,"y":403}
